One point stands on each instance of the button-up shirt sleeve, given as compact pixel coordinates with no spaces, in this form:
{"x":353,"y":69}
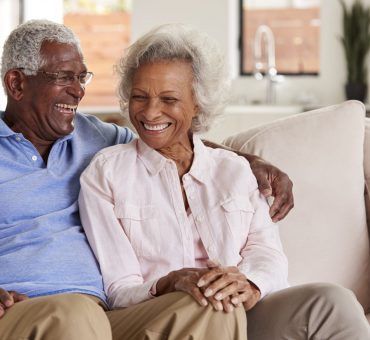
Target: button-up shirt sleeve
{"x":263,"y":260}
{"x":123,"y":281}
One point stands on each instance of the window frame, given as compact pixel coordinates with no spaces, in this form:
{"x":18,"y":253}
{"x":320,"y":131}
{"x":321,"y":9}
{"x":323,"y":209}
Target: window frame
{"x":242,"y":53}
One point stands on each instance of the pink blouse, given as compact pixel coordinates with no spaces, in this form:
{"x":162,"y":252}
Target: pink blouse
{"x":133,"y":214}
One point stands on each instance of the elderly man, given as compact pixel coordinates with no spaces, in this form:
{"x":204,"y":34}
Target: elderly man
{"x":51,"y":287}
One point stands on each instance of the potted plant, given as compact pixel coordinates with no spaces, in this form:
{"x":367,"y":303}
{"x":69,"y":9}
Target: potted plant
{"x":356,"y":44}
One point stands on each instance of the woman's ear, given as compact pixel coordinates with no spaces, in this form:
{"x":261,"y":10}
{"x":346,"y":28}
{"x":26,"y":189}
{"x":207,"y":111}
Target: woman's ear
{"x":14,"y":83}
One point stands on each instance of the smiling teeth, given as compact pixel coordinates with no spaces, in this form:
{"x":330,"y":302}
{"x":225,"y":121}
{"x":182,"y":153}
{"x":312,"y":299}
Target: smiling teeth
{"x":66,"y":106}
{"x":157,"y":127}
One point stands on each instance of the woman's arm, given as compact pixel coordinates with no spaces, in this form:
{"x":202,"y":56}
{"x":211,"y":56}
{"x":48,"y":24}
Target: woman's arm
{"x":119,"y":265}
{"x":271,"y":182}
{"x":263,"y":265}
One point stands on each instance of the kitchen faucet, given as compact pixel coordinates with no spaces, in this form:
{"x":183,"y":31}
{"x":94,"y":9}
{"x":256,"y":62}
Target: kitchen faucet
{"x":268,"y":68}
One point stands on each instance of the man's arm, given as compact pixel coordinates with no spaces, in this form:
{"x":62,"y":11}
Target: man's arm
{"x":271,"y":182}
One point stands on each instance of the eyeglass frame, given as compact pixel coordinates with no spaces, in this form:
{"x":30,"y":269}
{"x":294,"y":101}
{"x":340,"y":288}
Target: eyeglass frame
{"x":55,"y":76}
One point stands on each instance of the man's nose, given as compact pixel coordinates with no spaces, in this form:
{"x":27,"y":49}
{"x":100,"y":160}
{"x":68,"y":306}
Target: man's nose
{"x":76,"y":89}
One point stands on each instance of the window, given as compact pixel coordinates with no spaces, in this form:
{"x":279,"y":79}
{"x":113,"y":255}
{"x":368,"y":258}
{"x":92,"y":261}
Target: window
{"x":104,"y":30}
{"x":295,"y":28}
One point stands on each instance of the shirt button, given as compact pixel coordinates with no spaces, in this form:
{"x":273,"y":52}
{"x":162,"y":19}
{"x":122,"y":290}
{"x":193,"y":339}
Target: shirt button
{"x":18,"y":139}
{"x":34,"y":158}
{"x":210,"y":249}
{"x":199,"y":218}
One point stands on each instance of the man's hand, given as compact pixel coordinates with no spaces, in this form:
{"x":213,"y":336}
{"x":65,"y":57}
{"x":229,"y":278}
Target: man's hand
{"x":228,"y":284}
{"x":273,"y":182}
{"x":8,"y":299}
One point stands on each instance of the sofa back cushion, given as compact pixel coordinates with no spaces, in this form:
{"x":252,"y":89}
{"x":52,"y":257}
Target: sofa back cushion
{"x":325,"y":236}
{"x":367,"y":168}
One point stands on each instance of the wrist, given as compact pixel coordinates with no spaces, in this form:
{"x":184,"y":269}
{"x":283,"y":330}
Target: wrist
{"x":165,"y":284}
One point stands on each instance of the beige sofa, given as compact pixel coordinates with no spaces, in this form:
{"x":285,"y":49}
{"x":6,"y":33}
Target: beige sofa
{"x":326,"y":152}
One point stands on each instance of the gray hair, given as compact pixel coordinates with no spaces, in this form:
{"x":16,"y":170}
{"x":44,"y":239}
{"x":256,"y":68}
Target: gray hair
{"x":181,"y":42}
{"x":22,"y":48}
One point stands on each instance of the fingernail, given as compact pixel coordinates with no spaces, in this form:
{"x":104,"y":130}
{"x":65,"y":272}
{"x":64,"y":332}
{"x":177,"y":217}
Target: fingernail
{"x":200,"y":283}
{"x":204,"y":302}
{"x":219,"y":306}
{"x":235,"y":301}
{"x":208,"y":292}
{"x":230,"y":308}
{"x":218,"y":296}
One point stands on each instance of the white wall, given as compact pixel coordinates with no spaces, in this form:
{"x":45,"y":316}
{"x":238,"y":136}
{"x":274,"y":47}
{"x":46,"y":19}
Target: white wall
{"x":219,"y":19}
{"x":41,"y":9}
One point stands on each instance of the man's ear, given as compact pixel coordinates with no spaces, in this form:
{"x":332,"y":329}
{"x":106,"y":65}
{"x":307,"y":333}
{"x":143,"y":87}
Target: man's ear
{"x":14,"y":84}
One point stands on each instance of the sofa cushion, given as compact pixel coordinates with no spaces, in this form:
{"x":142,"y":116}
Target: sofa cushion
{"x":367,"y":168}
{"x":325,"y":236}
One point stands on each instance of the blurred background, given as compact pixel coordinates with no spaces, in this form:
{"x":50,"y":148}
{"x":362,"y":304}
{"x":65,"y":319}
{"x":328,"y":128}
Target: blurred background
{"x":285,"y":56}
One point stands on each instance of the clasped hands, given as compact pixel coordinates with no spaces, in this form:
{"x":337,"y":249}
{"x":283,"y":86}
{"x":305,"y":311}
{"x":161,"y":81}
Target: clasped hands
{"x":225,"y":288}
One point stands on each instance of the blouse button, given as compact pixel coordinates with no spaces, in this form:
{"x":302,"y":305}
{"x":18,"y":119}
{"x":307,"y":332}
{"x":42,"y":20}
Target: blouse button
{"x":199,"y":218}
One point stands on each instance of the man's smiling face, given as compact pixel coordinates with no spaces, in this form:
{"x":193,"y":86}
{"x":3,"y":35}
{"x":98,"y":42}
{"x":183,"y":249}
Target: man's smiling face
{"x":51,"y":107}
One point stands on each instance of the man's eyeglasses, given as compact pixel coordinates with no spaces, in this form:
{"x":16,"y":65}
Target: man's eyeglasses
{"x":66,"y":78}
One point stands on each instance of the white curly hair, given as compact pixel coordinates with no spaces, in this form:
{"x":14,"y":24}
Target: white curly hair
{"x":22,"y":47}
{"x":181,"y":42}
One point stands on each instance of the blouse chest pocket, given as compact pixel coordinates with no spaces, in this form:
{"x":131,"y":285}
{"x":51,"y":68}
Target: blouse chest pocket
{"x":140,"y":225}
{"x":238,"y":212}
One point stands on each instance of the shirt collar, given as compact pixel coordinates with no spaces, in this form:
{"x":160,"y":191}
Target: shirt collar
{"x":152,"y":159}
{"x":6,"y":131}
{"x":155,"y":162}
{"x":201,"y":161}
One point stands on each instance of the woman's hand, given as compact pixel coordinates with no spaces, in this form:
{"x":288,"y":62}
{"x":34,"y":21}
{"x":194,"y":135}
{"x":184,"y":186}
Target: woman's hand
{"x":223,"y":287}
{"x":229,"y":285}
{"x":273,"y":182}
{"x":185,"y":280}
{"x":8,"y":299}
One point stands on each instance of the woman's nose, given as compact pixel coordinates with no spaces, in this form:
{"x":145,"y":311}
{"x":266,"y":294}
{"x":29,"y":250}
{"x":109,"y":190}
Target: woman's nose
{"x":152,"y":109}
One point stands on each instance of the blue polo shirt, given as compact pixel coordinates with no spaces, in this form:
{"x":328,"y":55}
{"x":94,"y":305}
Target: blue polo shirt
{"x":43,"y":249}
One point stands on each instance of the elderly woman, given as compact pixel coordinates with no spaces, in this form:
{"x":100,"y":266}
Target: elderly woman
{"x":165,"y":213}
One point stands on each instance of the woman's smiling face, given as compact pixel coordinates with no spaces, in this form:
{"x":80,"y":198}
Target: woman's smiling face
{"x":162,"y":104}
